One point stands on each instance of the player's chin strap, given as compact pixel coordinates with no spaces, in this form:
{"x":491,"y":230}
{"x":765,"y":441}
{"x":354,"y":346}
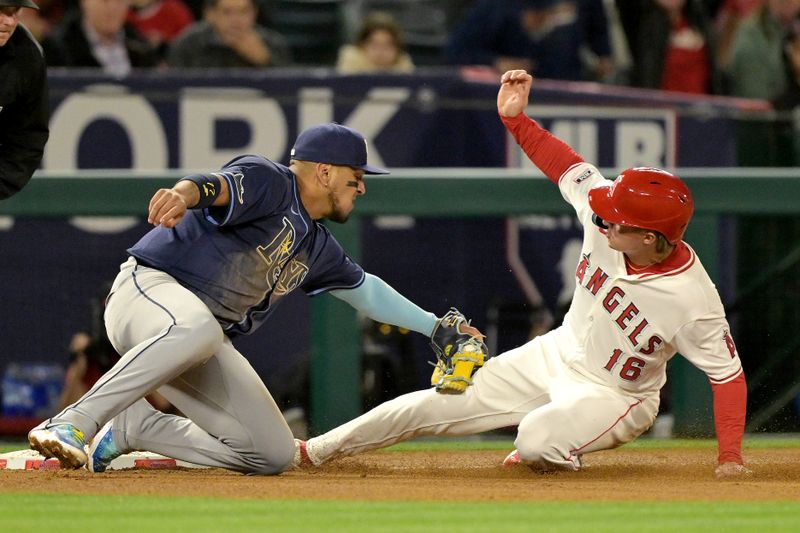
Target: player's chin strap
{"x":599,"y":222}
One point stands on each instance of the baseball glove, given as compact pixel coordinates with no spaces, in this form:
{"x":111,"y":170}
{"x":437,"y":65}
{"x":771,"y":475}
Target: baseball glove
{"x":458,"y":355}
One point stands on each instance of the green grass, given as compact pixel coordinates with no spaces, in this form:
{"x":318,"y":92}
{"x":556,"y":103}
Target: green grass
{"x":12,"y":446}
{"x":23,"y":512}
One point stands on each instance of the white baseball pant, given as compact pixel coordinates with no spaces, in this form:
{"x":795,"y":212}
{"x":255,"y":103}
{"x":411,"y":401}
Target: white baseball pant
{"x":561,"y":415}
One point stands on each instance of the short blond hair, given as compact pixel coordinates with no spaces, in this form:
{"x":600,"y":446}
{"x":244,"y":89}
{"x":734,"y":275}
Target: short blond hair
{"x":662,"y":243}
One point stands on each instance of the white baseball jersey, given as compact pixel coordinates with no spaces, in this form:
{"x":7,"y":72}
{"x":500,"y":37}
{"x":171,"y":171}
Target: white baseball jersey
{"x":627,"y":326}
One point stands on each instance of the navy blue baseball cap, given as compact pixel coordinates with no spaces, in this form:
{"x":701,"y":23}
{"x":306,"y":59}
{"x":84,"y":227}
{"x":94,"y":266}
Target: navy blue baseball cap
{"x":334,"y":144}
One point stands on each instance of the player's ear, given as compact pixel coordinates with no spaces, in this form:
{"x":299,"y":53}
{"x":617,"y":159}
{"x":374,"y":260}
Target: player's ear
{"x":324,"y":174}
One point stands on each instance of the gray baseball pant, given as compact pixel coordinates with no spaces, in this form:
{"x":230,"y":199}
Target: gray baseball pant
{"x":172,"y":343}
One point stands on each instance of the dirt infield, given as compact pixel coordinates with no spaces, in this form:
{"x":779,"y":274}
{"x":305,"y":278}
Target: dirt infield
{"x":619,"y":475}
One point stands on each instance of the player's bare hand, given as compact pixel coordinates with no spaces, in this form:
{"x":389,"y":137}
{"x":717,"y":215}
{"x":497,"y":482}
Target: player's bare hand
{"x":167,"y":208}
{"x":732,"y":470}
{"x":248,"y":44}
{"x":471,"y":330}
{"x":515,"y":87}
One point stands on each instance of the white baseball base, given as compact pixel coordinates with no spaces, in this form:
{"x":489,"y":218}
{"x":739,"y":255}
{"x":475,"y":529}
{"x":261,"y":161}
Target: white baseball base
{"x":32,"y":460}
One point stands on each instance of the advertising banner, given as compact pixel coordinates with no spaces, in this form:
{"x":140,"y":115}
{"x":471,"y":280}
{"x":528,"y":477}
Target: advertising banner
{"x":164,"y":120}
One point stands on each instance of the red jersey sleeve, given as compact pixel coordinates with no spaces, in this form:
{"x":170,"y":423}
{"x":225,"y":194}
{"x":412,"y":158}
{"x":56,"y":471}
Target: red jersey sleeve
{"x":730,"y":409}
{"x":549,"y":153}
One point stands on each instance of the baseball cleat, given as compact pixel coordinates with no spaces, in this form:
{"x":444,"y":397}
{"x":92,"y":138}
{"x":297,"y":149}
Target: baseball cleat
{"x":65,"y":442}
{"x":512,"y":459}
{"x":102,"y":450}
{"x":301,"y":457}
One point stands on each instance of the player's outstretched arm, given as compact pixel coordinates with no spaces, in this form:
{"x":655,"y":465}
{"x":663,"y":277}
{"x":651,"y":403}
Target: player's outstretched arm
{"x":730,"y":408}
{"x":549,"y":153}
{"x":168,"y":206}
{"x":708,"y":345}
{"x":515,"y":88}
{"x":380,"y":302}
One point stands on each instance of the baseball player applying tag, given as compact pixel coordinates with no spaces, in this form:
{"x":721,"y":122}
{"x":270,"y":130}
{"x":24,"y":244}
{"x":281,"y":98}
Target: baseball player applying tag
{"x":641,"y":297}
{"x":226,"y":249}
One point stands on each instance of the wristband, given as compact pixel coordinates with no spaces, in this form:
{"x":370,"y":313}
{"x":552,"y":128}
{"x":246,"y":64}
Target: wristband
{"x":209,"y":187}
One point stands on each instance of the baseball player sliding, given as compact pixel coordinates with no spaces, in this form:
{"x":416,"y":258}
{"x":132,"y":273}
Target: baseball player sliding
{"x":227,"y":247}
{"x":593,"y":383}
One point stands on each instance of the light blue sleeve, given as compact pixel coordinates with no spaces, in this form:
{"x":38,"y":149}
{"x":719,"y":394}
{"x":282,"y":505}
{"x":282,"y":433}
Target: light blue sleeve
{"x":376,"y":299}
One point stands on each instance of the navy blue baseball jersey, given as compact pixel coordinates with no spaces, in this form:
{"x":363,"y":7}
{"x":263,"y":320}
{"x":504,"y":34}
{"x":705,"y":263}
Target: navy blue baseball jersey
{"x":241,"y":259}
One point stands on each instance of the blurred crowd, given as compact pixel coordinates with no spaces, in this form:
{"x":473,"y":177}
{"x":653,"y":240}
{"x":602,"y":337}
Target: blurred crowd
{"x":747,"y":48}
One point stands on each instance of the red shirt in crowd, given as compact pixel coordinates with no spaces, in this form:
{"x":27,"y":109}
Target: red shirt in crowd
{"x":686,"y":65}
{"x":161,"y":21}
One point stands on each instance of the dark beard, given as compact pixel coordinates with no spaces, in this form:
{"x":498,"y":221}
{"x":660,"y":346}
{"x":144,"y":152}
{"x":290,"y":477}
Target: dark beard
{"x":336,"y":214}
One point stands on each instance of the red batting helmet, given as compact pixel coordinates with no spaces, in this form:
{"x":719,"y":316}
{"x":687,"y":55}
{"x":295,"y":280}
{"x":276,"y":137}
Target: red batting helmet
{"x":647,"y":198}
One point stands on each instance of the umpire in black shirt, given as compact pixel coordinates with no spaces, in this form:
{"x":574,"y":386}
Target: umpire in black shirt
{"x":23,"y":100}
